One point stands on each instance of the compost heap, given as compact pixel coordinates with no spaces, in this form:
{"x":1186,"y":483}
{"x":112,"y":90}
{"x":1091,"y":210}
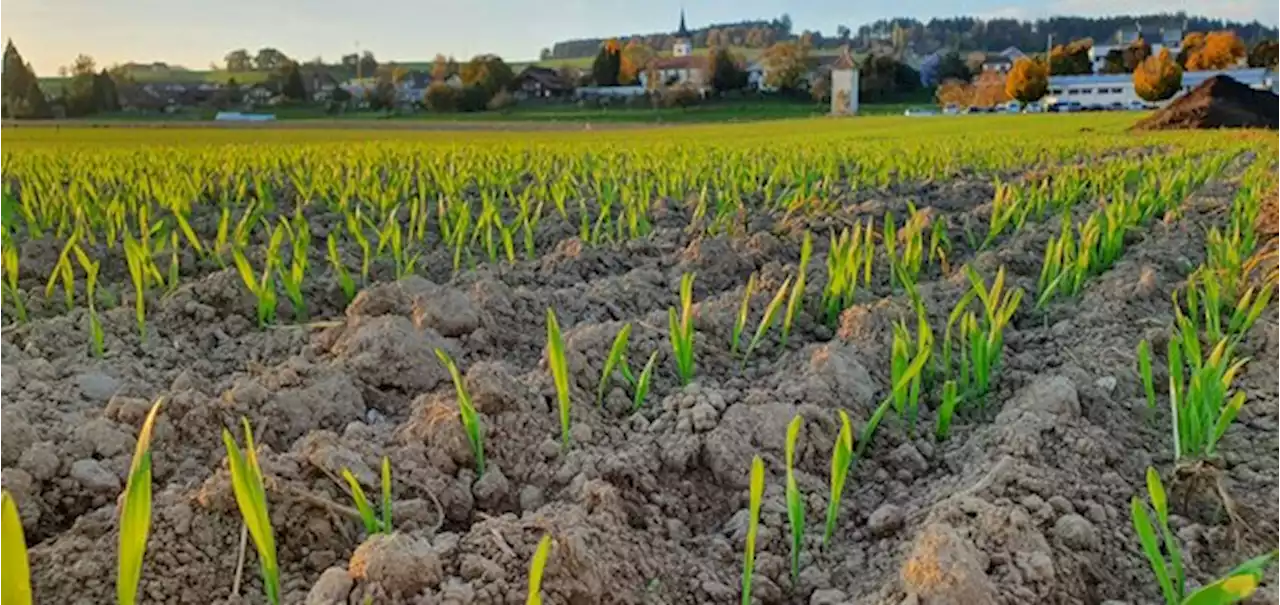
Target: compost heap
{"x":1219,"y":102}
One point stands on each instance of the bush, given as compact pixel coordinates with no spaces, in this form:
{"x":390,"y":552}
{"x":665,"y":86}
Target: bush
{"x":441,"y":97}
{"x":473,"y":98}
{"x":501,"y":101}
{"x":680,"y":95}
{"x":1028,"y":81}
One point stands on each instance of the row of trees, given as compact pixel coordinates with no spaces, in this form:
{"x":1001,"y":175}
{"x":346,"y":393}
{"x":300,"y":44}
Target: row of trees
{"x":86,"y":92}
{"x":1156,"y":78}
{"x":923,"y":38}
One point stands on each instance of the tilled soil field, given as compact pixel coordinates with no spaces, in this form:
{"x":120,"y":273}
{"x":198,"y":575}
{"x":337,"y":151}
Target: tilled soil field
{"x":1028,"y":501}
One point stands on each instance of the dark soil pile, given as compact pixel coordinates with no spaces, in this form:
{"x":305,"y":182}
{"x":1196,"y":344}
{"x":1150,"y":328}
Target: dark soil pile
{"x":1220,"y":102}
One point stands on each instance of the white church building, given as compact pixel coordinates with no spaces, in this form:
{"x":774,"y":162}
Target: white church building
{"x":681,"y":67}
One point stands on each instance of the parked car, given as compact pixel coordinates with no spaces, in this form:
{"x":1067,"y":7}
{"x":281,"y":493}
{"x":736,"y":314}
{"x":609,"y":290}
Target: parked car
{"x":1066,"y":107}
{"x":1033,"y":108}
{"x":951,"y":109}
{"x":974,"y":109}
{"x":1115,"y":106}
{"x":1010,"y":107}
{"x":919,"y":112}
{"x":1137,"y":106}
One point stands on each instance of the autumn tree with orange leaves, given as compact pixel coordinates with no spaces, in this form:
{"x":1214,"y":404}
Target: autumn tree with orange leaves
{"x":1158,"y":77}
{"x":1028,"y":80}
{"x":1217,"y":50}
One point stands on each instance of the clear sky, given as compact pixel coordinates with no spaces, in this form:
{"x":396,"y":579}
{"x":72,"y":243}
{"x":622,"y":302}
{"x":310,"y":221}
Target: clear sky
{"x":50,"y":33}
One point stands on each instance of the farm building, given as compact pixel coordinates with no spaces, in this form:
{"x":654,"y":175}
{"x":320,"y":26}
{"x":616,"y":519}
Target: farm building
{"x":1158,"y":38}
{"x":1106,"y":89}
{"x":541,"y":83}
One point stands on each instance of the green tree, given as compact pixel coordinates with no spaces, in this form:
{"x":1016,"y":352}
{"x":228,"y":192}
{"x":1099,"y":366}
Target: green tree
{"x":785,"y":65}
{"x":607,"y":65}
{"x":238,"y":60}
{"x":105,"y":96}
{"x":270,"y":59}
{"x":83,"y":94}
{"x":20,"y":98}
{"x":292,"y":88}
{"x":488,"y":73}
{"x":441,"y":97}
{"x":726,"y":71}
{"x":34,"y":105}
{"x":952,"y":67}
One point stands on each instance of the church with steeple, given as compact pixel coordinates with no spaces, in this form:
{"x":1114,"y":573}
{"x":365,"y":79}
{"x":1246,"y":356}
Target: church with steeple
{"x":681,"y":67}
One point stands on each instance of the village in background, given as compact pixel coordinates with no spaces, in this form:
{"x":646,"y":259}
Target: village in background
{"x":961,"y":65}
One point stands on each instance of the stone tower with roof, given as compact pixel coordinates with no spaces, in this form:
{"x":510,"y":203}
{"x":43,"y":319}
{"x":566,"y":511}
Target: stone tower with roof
{"x":683,"y":45}
{"x":844,"y":84}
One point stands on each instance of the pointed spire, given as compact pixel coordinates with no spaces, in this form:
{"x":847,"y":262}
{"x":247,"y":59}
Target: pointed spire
{"x":683,"y":32}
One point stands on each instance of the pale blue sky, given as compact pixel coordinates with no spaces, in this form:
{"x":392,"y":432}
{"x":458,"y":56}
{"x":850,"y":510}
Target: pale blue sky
{"x":51,"y":32}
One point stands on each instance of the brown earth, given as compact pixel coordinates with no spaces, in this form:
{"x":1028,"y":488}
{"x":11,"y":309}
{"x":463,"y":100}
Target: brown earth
{"x":1219,"y":102}
{"x":1025,"y":503}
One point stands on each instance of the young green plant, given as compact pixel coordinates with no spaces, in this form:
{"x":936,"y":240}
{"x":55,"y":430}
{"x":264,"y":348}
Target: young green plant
{"x":1236,"y":585}
{"x":16,"y":572}
{"x":559,"y":373}
{"x":947,"y":409}
{"x":373,"y":523}
{"x":770,"y":314}
{"x":617,"y":360}
{"x":744,"y":309}
{"x":135,"y":514}
{"x":537,"y":566}
{"x":642,"y":383}
{"x":841,"y":459}
{"x":753,"y":526}
{"x":795,"y":501}
{"x":796,"y":300}
{"x":467,"y":412}
{"x":1201,"y":408}
{"x":1144,"y":372}
{"x":251,"y":498}
{"x":681,"y":331}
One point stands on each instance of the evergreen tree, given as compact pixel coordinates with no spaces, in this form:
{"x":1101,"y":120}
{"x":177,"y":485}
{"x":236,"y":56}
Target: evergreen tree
{"x":604,"y":71}
{"x":34,"y":105}
{"x":725,"y":73}
{"x":293,"y":89}
{"x":16,"y":90}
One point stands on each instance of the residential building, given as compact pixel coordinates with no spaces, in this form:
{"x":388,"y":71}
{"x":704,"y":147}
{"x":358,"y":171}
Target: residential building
{"x":1002,"y":61}
{"x":1107,"y":89}
{"x":1159,"y":38}
{"x":541,"y":83}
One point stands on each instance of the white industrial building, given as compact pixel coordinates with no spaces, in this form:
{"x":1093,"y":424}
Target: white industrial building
{"x":1107,"y":89}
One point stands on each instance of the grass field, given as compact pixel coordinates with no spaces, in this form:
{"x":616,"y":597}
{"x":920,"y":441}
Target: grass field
{"x":787,"y":361}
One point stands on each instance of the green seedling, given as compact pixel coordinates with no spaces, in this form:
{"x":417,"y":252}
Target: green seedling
{"x":617,"y":359}
{"x":9,"y":254}
{"x":345,"y":281}
{"x":251,"y":498}
{"x":642,"y":384}
{"x":559,"y":373}
{"x":753,"y":526}
{"x":841,"y":459}
{"x":536,"y":567}
{"x":795,"y":501}
{"x":1201,"y":408}
{"x":135,"y":514}
{"x":740,"y":322}
{"x":1236,"y":586}
{"x":947,"y":409}
{"x":16,"y":574}
{"x":770,"y":314}
{"x":1144,"y":371}
{"x":373,"y":523}
{"x":262,"y":287}
{"x":467,"y":412}
{"x":681,"y":331}
{"x":796,"y":299}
